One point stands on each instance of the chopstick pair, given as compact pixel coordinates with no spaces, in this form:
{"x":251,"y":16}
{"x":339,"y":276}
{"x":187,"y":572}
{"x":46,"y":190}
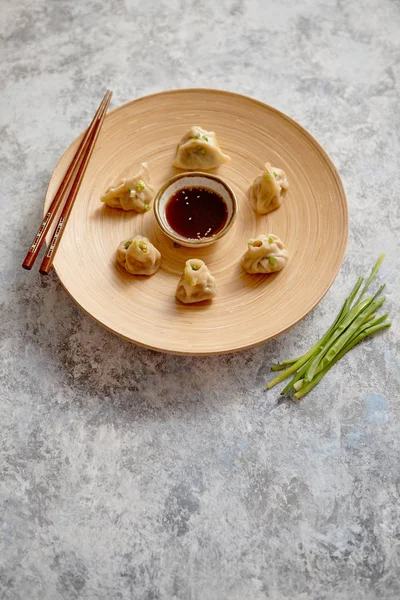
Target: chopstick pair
{"x":78,"y":168}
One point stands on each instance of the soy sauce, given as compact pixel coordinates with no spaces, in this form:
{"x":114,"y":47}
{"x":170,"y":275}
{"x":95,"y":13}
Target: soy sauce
{"x":196,"y":212}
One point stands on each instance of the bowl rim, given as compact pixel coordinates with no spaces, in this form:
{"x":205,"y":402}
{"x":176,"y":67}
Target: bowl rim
{"x":195,"y":241}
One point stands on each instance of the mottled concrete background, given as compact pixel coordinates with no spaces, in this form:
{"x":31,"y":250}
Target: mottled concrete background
{"x":129,"y":474}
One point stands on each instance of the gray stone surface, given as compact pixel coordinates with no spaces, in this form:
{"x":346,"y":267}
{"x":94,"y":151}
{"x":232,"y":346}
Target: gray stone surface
{"x":128,"y":474}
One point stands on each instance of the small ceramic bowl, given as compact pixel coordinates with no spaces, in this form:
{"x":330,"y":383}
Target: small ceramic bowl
{"x":194,"y":179}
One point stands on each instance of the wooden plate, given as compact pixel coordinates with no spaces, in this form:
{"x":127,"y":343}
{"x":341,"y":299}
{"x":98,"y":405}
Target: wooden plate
{"x":249,"y":310}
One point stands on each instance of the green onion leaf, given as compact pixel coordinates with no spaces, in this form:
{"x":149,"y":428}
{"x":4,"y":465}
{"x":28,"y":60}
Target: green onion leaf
{"x":127,"y":244}
{"x":196,"y":137}
{"x":140,"y":186}
{"x":272,"y":260}
{"x":205,"y":137}
{"x":372,"y":275}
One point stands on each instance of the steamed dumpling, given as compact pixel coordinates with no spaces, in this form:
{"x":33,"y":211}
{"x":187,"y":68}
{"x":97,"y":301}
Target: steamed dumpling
{"x":196,"y":283}
{"x":265,"y":254}
{"x":199,"y":149}
{"x":138,"y":256}
{"x":266,"y":192}
{"x":135,"y":193}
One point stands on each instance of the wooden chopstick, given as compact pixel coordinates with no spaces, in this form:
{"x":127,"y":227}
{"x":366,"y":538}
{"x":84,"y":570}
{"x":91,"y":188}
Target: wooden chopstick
{"x":59,"y":230}
{"x":60,"y":194}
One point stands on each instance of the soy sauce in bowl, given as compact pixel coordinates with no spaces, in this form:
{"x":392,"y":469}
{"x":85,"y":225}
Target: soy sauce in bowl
{"x":195,"y":209}
{"x":196,"y":212}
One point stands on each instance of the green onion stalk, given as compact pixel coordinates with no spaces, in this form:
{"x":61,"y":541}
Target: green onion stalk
{"x":356,"y":320}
